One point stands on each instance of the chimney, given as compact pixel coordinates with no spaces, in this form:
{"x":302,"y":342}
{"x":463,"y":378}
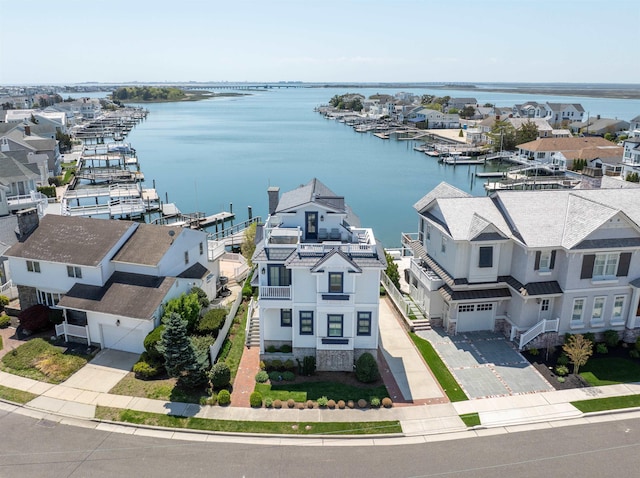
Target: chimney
{"x":274,"y":198}
{"x":27,"y":130}
{"x":28,"y":221}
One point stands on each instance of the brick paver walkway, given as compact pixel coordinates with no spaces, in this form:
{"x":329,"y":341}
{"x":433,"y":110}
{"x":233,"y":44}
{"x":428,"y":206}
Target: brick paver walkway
{"x":245,"y":380}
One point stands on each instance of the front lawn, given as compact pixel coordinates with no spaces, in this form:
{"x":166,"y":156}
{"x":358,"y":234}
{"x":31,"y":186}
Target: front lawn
{"x":233,"y":426}
{"x":304,"y":391}
{"x":16,"y":396}
{"x":157,"y":389}
{"x":233,"y":347}
{"x":611,"y":403}
{"x":470,"y":419}
{"x":610,"y":370}
{"x":439,"y":369}
{"x":39,"y":360}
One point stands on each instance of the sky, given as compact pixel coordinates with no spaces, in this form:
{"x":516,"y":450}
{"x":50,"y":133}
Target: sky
{"x":75,"y":41}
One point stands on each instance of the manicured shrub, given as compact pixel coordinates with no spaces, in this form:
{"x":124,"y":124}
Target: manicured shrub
{"x":291,"y":403}
{"x":561,"y":379}
{"x":309,"y":404}
{"x":262,"y":376}
{"x":275,"y":376}
{"x":255,"y":399}
{"x":202,"y":296}
{"x":300,"y":406}
{"x":219,"y":375}
{"x":386,"y":402}
{"x":563,"y":359}
{"x":309,"y":365}
{"x":212,"y":400}
{"x":212,"y":322}
{"x":534,"y":352}
{"x":277,"y":404}
{"x":341,"y":404}
{"x":362,"y":403}
{"x":562,"y":370}
{"x":323,"y":401}
{"x":375,"y":402}
{"x":271,"y":349}
{"x":350,"y":404}
{"x":289,"y":365}
{"x":331,"y":404}
{"x":366,"y":368}
{"x":35,"y":318}
{"x":224,"y":397}
{"x":5,"y":321}
{"x":247,"y":291}
{"x":277,"y":365}
{"x":144,"y":370}
{"x":268,"y":402}
{"x":151,"y":342}
{"x":611,"y":338}
{"x":286,"y":349}
{"x":289,"y":376}
{"x":590,"y":336}
{"x":4,"y":301}
{"x":602,"y":349}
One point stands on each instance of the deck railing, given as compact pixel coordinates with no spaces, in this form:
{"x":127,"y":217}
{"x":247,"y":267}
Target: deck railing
{"x":545,"y":325}
{"x":67,"y":329}
{"x":275,"y":292}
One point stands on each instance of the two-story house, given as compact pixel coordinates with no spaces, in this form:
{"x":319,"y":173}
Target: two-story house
{"x":434,"y":118}
{"x":561,"y":152}
{"x":525,"y":262}
{"x":631,"y":156}
{"x":110,"y":278}
{"x":318,"y":274}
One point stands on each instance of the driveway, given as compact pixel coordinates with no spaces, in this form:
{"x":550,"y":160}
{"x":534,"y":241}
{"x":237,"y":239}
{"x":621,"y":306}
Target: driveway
{"x":485,"y":364}
{"x":103,"y":372}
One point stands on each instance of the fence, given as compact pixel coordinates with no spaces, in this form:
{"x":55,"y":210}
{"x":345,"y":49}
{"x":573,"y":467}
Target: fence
{"x":396,"y":297}
{"x":9,"y":290}
{"x":214,"y":350}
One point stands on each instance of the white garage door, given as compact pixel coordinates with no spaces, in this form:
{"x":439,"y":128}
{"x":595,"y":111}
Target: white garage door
{"x":123,"y":338}
{"x":473,"y":317}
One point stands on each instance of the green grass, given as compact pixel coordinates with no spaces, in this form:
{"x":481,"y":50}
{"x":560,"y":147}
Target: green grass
{"x":471,"y":419}
{"x":611,"y":403}
{"x":39,"y":360}
{"x":161,"y":389}
{"x":304,"y":391}
{"x":17,"y":396}
{"x":236,"y":337}
{"x":610,"y":371}
{"x":1,"y":344}
{"x":439,"y":369}
{"x":289,"y":428}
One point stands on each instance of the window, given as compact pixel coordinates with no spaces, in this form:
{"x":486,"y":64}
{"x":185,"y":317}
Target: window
{"x":486,"y":256}
{"x":544,"y":305}
{"x":598,"y":311}
{"x":540,"y":154}
{"x":201,"y":248}
{"x":285,"y":317}
{"x":186,"y":257}
{"x":364,"y":323}
{"x":466,"y":308}
{"x":545,"y":261}
{"x":33,"y":266}
{"x":576,"y":314}
{"x":334,"y":325}
{"x":428,"y":232}
{"x":618,"y":310}
{"x":335,"y":282}
{"x":47,"y":298}
{"x":279,"y":275}
{"x":73,"y":271}
{"x":443,"y":245}
{"x":481,"y":307}
{"x":605,"y":265}
{"x":306,"y":322}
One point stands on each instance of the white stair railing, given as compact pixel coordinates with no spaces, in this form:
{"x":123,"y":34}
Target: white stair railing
{"x":545,"y":325}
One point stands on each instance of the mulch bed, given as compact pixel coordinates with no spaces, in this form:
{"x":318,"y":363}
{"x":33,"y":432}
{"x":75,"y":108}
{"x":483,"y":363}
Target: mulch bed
{"x":345,"y":378}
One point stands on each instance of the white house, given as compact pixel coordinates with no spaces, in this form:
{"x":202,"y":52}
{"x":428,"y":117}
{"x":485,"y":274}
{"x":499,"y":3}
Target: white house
{"x":561,"y":152}
{"x":318,"y":274}
{"x":111,"y":278}
{"x":434,"y":118}
{"x":631,"y":156}
{"x":526,"y":262}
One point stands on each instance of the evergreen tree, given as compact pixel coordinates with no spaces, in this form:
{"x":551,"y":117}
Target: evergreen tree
{"x":180,"y":358}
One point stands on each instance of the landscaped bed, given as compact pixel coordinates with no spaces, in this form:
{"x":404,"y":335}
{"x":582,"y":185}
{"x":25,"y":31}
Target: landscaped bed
{"x":301,"y":391}
{"x":157,"y":389}
{"x":233,"y":426}
{"x":39,"y":360}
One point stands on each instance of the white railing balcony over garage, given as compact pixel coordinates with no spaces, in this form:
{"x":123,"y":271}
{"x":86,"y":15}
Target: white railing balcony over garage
{"x":275,"y":292}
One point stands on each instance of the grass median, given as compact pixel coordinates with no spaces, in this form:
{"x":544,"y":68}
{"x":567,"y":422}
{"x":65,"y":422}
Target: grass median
{"x":604,"y":404}
{"x":16,"y":396}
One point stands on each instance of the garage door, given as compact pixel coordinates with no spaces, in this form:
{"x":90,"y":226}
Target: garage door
{"x":123,"y":338}
{"x":473,"y":317}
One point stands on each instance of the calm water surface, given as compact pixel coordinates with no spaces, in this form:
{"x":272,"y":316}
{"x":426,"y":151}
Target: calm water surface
{"x":208,"y":154}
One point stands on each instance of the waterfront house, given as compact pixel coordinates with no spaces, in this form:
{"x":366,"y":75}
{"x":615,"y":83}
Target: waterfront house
{"x":561,"y":152}
{"x":110,"y":278}
{"x":526,"y":262}
{"x":434,"y":119}
{"x":631,"y":156}
{"x":318,"y":276}
{"x":598,"y":126}
{"x":21,"y":138}
{"x":21,"y":173}
{"x":554,"y":113}
{"x":634,"y":126}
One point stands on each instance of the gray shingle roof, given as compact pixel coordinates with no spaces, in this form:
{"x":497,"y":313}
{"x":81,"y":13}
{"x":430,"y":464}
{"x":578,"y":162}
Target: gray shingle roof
{"x":476,"y":294}
{"x":532,"y":288}
{"x":442,"y":190}
{"x":148,"y":244}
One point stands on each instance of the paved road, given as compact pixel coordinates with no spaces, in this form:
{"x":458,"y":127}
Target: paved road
{"x":39,"y":448}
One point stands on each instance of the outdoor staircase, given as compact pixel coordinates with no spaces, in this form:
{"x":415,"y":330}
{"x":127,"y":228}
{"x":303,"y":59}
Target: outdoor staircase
{"x":253,"y":331}
{"x":421,"y":322}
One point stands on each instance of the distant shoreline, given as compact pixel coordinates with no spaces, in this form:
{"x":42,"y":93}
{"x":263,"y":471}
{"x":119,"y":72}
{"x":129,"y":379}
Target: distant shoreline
{"x":189,"y":97}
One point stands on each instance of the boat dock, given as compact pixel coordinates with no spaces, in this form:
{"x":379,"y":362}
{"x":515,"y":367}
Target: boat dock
{"x":491,"y":174}
{"x":530,"y":183}
{"x":172,"y":216}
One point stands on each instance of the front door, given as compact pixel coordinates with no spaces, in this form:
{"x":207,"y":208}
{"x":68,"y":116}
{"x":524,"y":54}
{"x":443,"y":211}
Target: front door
{"x":311,"y":231}
{"x":545,"y":307}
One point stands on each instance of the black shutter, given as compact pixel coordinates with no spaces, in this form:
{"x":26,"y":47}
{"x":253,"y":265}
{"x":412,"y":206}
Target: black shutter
{"x":553,"y":259}
{"x":623,"y":264}
{"x":536,"y":266}
{"x":587,"y":266}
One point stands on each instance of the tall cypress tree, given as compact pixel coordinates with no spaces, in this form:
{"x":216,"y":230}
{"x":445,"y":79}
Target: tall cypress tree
{"x":179,"y":355}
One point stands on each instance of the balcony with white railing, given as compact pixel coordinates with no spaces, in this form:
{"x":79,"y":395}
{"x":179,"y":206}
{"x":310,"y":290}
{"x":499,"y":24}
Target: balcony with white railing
{"x":275,"y":292}
{"x":33,"y":199}
{"x":425,"y":275}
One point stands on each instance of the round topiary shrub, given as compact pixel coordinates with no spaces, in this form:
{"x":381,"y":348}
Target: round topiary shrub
{"x":255,"y":400}
{"x":288,"y":376}
{"x":277,"y":404}
{"x":285,"y":349}
{"x":219,"y":375}
{"x":300,"y":406}
{"x":275,"y":376}
{"x":323,"y":401}
{"x":224,"y":397}
{"x":331,"y":404}
{"x":289,"y":365}
{"x":562,"y":370}
{"x":309,"y":404}
{"x":341,"y":404}
{"x":151,"y":342}
{"x":362,"y":403}
{"x":386,"y":402}
{"x":366,"y":368}
{"x":268,"y":402}
{"x":5,"y":321}
{"x":144,"y":370}
{"x":262,"y":376}
{"x":350,"y":404}
{"x":277,"y":365}
{"x":291,"y":403}
{"x":375,"y":402}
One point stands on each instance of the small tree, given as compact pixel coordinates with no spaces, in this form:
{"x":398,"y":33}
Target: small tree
{"x":367,"y":368}
{"x":578,"y":349}
{"x":248,"y":246}
{"x":219,"y":375}
{"x":392,"y":271}
{"x":180,"y":358}
{"x":187,"y":306}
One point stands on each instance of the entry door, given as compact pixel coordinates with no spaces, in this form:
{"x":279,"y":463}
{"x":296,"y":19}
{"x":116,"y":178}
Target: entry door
{"x":311,"y":231}
{"x":545,"y":309}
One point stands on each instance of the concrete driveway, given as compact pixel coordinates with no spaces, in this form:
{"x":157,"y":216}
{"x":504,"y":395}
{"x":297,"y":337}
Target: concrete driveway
{"x":485,"y":364}
{"x":103,"y":372}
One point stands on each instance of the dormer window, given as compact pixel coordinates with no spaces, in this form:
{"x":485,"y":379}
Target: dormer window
{"x":485,"y":257}
{"x":336,"y":285}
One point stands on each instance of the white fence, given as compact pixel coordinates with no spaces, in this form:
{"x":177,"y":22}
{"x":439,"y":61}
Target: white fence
{"x":9,"y":290}
{"x":540,"y":328}
{"x":214,"y":350}
{"x":396,"y":297}
{"x":67,"y":330}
